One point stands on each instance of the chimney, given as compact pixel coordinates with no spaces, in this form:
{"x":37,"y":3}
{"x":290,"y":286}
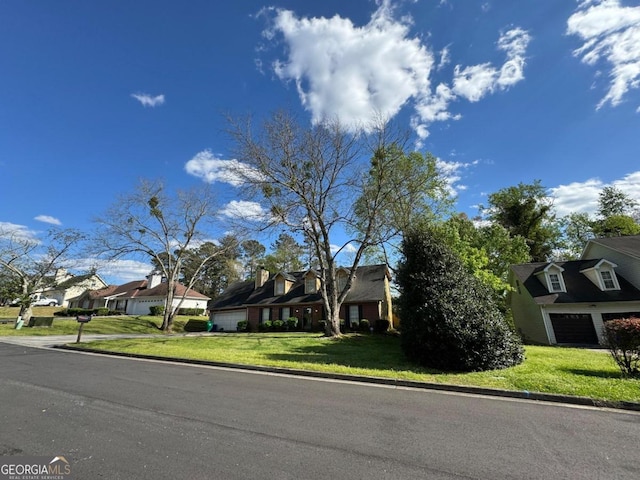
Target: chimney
{"x":153,"y":280}
{"x":262,"y":276}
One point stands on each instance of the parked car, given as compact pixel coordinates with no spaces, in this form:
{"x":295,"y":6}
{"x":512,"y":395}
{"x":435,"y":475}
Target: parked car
{"x":45,"y":301}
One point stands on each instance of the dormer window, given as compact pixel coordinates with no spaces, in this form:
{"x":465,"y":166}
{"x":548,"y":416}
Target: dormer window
{"x":551,"y":278}
{"x":554,"y":281}
{"x":282,"y":283}
{"x":602,"y":275}
{"x":310,"y":284}
{"x":607,"y":280}
{"x":341,"y":281}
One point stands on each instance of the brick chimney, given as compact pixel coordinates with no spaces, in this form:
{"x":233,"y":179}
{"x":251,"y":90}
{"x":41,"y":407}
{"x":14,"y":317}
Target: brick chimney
{"x":262,"y":276}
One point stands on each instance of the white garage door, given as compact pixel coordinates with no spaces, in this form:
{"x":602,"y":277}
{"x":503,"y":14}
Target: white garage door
{"x":228,"y":321}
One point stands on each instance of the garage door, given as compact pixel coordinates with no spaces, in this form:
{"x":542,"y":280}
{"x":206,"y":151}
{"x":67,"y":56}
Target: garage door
{"x":228,"y":321}
{"x":574,"y":328}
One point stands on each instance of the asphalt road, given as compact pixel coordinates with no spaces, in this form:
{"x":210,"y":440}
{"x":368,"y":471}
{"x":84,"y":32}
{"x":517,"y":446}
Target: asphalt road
{"x":118,"y":418}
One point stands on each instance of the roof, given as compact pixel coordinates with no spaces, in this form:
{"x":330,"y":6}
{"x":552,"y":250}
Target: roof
{"x":78,"y":279}
{"x":629,"y":245}
{"x":368,"y":286}
{"x":138,"y":288}
{"x":579,"y":288}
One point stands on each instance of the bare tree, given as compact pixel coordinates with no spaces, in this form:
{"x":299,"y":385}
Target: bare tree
{"x":162,"y":229}
{"x":311,"y":179}
{"x":31,"y":263}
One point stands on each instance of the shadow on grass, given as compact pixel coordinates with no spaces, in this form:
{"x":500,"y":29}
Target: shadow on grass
{"x":593,"y":373}
{"x":366,"y":352}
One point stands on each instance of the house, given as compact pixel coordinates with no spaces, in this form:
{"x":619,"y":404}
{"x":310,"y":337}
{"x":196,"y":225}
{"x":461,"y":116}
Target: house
{"x":569,"y":302}
{"x":283,"y":295}
{"x":135,"y":298}
{"x":67,"y":286}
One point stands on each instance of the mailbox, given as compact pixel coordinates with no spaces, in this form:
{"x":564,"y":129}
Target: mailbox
{"x":83,"y":318}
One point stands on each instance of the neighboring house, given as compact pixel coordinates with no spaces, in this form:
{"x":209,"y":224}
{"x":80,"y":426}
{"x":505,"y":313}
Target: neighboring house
{"x":568,"y":302}
{"x":135,"y":298}
{"x":283,"y":295}
{"x":67,"y":286}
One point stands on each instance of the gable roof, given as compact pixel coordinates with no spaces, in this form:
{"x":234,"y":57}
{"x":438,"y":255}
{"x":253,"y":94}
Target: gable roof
{"x":579,"y":288}
{"x":368,"y":286}
{"x":138,"y":288}
{"x":629,"y":245}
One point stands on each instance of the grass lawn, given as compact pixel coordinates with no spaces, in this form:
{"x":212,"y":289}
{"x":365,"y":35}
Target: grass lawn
{"x":69,"y":326}
{"x":559,"y":370}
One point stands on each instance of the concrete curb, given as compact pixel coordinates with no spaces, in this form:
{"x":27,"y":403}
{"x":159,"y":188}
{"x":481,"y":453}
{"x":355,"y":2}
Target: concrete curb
{"x":525,"y":395}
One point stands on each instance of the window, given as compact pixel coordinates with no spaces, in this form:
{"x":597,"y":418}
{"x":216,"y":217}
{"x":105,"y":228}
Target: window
{"x":354,"y":314}
{"x":285,"y":313}
{"x":607,"y":280}
{"x":554,"y":280}
{"x":279,"y":286}
{"x":310,"y":284}
{"x":341,"y":281}
{"x":266,"y":314}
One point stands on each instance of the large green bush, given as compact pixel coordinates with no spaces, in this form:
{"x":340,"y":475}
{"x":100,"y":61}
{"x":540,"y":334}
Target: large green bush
{"x":622,"y":337}
{"x":448,"y":318}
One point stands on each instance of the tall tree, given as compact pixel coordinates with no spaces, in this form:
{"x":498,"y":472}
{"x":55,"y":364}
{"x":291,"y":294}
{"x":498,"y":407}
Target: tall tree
{"x":614,"y":202}
{"x":286,"y":255}
{"x":29,"y":264}
{"x":151,"y":224}
{"x":578,"y":229}
{"x":252,"y":256}
{"x":410,"y":191}
{"x":527,"y":211}
{"x":221,"y":269}
{"x":487,"y":251}
{"x":310,"y":179}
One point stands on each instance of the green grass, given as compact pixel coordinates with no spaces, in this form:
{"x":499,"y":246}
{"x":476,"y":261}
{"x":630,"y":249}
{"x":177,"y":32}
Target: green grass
{"x":104,"y":325}
{"x":557,"y":370}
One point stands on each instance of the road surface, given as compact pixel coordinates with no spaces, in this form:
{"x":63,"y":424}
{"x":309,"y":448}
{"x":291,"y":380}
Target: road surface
{"x":120,"y":418}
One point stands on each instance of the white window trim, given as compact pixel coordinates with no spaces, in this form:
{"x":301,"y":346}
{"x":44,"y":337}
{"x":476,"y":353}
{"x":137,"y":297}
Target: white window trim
{"x":562,"y":288}
{"x":614,"y":279}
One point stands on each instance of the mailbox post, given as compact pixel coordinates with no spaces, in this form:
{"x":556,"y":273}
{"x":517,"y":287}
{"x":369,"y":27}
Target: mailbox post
{"x":82,"y":319}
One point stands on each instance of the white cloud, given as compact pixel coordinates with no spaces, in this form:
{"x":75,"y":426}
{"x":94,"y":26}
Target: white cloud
{"x":611,"y":34}
{"x":116,"y":271}
{"x":582,"y":197}
{"x":476,"y":81}
{"x":147,"y":100}
{"x":244,"y":210}
{"x":48,"y":219}
{"x":452,"y":172}
{"x":17,"y":232}
{"x":358,"y":73}
{"x":208,"y":167}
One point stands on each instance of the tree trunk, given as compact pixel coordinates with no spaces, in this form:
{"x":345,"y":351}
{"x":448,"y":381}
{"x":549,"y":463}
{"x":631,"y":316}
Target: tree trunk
{"x":169,"y":314}
{"x":25,"y":313}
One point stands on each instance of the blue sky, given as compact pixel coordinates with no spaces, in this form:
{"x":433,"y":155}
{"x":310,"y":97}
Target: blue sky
{"x":96,"y":95}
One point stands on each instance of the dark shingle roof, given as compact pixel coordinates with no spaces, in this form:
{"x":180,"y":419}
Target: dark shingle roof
{"x":579,"y":288}
{"x":368,"y":286}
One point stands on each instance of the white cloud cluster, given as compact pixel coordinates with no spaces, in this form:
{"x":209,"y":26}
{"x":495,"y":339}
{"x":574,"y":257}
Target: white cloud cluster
{"x":582,"y":197}
{"x":147,"y":100}
{"x":208,"y":167}
{"x":244,"y":210}
{"x":17,"y":232}
{"x":360,"y":73}
{"x":611,"y":33}
{"x":452,"y":173}
{"x":48,"y":219}
{"x":476,"y":81}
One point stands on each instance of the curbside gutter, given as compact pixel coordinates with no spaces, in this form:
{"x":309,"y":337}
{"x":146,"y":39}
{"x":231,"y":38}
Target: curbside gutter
{"x":494,"y":392}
